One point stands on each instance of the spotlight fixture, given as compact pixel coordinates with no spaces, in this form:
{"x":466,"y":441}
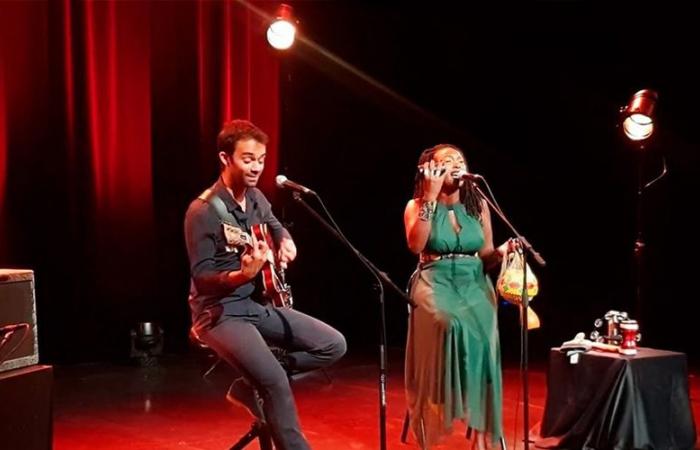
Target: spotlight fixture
{"x":638,"y":115}
{"x":147,"y":343}
{"x":282,"y":31}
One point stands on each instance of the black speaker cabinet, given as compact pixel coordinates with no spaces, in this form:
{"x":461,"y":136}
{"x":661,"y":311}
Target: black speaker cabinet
{"x":25,"y":408}
{"x":17,"y":306}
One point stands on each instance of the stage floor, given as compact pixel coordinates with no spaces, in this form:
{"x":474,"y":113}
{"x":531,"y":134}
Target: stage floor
{"x":108,"y":406}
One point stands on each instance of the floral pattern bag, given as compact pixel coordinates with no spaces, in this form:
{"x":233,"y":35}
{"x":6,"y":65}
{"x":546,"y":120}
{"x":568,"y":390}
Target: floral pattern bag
{"x":510,"y":280}
{"x":510,"y":285}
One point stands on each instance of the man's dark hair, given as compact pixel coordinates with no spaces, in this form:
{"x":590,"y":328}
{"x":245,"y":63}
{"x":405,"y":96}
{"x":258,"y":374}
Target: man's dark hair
{"x":238,"y":130}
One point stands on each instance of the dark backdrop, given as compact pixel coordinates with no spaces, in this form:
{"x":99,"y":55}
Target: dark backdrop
{"x":531,"y":93}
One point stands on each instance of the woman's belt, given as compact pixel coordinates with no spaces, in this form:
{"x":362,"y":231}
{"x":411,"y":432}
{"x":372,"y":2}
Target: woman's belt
{"x":430,"y":257}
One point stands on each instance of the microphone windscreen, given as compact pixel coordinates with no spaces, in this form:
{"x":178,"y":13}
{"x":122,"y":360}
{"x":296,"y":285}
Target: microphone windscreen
{"x":280,"y":180}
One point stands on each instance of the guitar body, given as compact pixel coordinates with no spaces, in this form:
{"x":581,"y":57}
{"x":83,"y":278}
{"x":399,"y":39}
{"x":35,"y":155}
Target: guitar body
{"x":275,"y":287}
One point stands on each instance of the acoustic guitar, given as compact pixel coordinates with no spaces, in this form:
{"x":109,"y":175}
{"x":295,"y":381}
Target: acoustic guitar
{"x":274,"y":285}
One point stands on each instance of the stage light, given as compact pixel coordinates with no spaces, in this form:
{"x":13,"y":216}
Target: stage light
{"x":282,"y":30}
{"x":638,"y":115}
{"x":147,"y":343}
{"x":637,"y":120}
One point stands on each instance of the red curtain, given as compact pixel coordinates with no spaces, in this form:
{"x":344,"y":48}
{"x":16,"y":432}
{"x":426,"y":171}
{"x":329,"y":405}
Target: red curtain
{"x":247,"y":70}
{"x":98,"y":57}
{"x":3,"y":138}
{"x":23,"y":103}
{"x":117,"y":54}
{"x":109,"y":112}
{"x":3,"y":159}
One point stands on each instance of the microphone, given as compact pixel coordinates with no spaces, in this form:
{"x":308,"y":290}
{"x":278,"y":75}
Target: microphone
{"x":422,"y":171}
{"x":460,"y":175}
{"x":283,"y":182}
{"x":464,"y":175}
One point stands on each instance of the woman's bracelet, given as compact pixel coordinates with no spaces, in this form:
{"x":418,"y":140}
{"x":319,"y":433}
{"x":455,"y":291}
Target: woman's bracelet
{"x":427,"y":210}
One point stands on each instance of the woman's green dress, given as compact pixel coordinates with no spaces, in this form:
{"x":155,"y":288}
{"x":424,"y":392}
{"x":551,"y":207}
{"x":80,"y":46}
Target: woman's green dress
{"x":453,"y":361}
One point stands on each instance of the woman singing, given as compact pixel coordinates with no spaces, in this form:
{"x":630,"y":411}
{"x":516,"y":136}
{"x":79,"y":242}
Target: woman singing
{"x":453,"y":361}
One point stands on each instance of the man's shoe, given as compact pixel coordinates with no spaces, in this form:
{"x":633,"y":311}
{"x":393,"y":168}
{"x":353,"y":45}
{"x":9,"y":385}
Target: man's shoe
{"x":241,"y":393}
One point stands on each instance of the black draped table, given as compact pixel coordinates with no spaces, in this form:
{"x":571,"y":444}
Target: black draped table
{"x":611,"y":401}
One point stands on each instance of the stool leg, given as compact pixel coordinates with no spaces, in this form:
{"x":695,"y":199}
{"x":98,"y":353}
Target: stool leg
{"x":422,"y":435}
{"x":328,"y":377}
{"x":211,"y":369}
{"x":247,"y":438}
{"x":265,"y":439}
{"x":404,"y":431}
{"x":501,"y":440}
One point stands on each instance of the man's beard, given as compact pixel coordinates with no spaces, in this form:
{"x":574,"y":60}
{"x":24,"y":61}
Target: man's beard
{"x":249,"y":181}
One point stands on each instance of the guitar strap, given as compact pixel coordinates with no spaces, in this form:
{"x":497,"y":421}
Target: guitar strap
{"x":214,"y":200}
{"x":235,"y":235}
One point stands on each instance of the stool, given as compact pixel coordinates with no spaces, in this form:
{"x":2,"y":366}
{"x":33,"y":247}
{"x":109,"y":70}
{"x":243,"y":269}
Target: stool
{"x":278,"y":352}
{"x":258,"y":429}
{"x":406,"y":422}
{"x":204,"y":348}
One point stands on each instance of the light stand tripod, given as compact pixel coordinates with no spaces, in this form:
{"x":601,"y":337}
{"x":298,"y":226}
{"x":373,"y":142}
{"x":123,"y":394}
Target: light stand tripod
{"x":637,"y":121}
{"x":639,"y":242}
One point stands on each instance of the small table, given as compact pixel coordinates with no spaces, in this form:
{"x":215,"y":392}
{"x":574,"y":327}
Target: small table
{"x":608,"y":401}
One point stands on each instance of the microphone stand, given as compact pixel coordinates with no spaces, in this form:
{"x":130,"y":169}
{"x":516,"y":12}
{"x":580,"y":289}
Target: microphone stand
{"x":524,"y":244}
{"x":381,"y":279}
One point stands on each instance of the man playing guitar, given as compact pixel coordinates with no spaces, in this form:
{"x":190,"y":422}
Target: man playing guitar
{"x":227,"y":230}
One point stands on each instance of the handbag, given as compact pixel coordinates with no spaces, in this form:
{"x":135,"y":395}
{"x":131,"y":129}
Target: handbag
{"x":510,"y":281}
{"x":510,"y":285}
